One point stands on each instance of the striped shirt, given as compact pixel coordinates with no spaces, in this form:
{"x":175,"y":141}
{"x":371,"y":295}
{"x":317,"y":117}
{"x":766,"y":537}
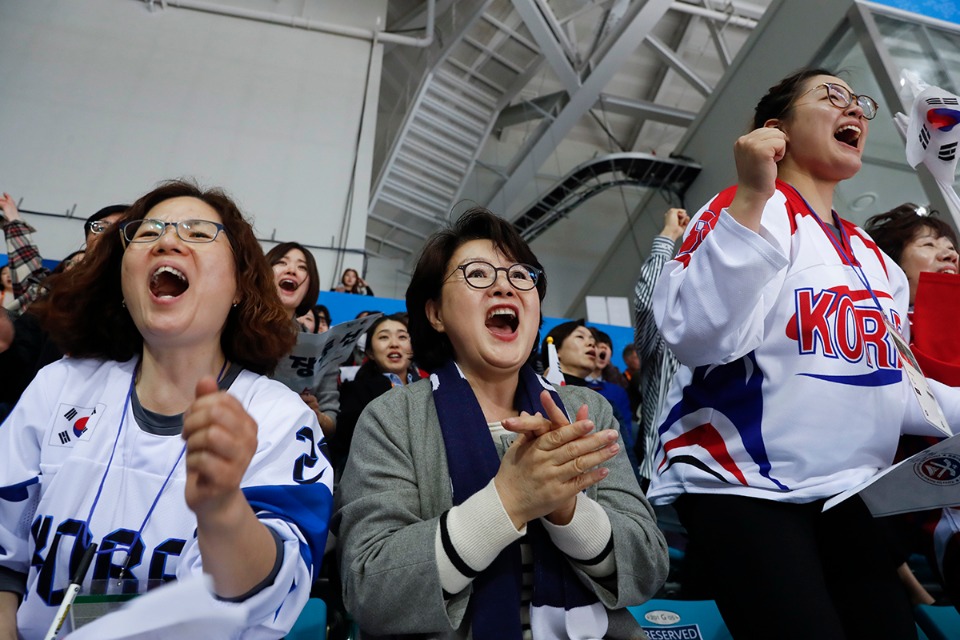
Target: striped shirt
{"x":658,"y":364}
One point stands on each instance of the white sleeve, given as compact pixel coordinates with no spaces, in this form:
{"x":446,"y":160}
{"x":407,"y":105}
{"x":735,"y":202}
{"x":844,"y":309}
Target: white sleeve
{"x":471,"y":536}
{"x":711,"y":300}
{"x":21,"y":438}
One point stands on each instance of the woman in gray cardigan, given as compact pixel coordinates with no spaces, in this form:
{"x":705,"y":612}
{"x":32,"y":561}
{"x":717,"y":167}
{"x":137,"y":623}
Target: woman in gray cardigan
{"x":484,"y":502}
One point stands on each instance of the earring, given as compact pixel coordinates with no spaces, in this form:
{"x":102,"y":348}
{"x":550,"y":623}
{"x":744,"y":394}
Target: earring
{"x":123,"y":303}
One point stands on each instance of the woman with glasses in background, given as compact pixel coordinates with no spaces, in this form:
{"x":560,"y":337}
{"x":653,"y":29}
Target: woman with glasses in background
{"x":159,"y":445}
{"x":792,"y":390}
{"x":484,"y":502}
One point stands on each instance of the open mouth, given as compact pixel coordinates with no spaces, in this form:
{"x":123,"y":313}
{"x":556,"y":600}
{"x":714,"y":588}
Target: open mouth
{"x":502,"y":321}
{"x":951,"y":269}
{"x":591,"y":353}
{"x":168,"y":282}
{"x":288,"y":284}
{"x":394,"y":356}
{"x":848,"y":134}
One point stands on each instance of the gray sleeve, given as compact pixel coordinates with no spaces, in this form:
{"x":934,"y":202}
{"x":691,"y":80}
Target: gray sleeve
{"x":328,"y":395}
{"x":639,"y":548}
{"x":389,"y":504}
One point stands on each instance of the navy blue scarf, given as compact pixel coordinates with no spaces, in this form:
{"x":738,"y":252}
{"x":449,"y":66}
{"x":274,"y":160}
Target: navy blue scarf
{"x":473,"y":461}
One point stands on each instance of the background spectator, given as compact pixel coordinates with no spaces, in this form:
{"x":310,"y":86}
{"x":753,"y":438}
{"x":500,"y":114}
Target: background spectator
{"x":659,"y":363}
{"x":351,"y":282}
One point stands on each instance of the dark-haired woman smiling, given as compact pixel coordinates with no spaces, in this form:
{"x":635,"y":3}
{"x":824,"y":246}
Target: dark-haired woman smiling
{"x":389,"y":364}
{"x":499,"y":505}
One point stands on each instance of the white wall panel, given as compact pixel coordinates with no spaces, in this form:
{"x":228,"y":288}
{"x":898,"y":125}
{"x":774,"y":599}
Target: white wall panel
{"x":101,"y":99}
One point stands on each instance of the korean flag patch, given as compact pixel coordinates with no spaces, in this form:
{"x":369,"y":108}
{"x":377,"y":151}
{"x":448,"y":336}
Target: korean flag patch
{"x":73,"y":424}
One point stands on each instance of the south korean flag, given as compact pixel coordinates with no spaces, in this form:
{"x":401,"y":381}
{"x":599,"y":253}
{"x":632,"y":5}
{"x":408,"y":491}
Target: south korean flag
{"x":74,"y":424}
{"x":933,"y":133}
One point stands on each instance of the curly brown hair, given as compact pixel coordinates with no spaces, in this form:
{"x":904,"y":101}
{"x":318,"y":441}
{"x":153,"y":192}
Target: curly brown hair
{"x":84,"y":311}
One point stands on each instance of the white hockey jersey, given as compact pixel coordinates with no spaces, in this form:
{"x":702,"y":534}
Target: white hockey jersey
{"x":792,"y":389}
{"x":56,"y":444}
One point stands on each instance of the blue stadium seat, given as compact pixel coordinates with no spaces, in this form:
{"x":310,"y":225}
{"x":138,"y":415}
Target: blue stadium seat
{"x":312,"y":623}
{"x":938,"y":623}
{"x":669,"y":619}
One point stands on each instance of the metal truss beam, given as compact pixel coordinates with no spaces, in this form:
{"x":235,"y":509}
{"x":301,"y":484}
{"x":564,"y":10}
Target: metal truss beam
{"x":677,"y":64}
{"x":638,"y":25}
{"x":551,"y":48}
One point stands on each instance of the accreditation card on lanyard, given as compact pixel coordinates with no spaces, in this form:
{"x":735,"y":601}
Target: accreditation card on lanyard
{"x":921,"y":389}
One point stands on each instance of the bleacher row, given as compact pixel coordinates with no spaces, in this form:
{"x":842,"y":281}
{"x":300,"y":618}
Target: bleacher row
{"x":667,"y":620}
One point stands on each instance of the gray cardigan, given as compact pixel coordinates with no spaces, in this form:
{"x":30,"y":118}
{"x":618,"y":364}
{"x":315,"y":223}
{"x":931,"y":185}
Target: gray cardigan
{"x":396,"y":486}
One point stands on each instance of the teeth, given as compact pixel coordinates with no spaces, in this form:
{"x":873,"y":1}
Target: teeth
{"x":170,"y":270}
{"x":502,"y":311}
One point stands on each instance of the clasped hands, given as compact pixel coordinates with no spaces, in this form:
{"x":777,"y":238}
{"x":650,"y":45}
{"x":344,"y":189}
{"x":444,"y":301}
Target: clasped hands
{"x":551,"y":462}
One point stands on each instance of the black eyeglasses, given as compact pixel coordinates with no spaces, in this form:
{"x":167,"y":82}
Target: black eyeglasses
{"x":841,"y":98}
{"x":481,"y":275}
{"x":150,"y":230}
{"x":99,"y":226}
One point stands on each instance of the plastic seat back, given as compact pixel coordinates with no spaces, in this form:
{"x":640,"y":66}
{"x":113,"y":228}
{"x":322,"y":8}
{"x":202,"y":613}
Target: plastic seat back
{"x":681,"y":620}
{"x":312,"y":623}
{"x":938,"y":623}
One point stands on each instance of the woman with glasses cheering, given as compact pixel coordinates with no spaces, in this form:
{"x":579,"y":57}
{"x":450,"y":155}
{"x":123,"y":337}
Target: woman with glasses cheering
{"x":792,"y":392}
{"x":484,"y":502}
{"x":159,"y":445}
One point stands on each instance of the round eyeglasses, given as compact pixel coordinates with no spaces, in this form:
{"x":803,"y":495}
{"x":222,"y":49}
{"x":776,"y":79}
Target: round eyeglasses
{"x":481,"y":275}
{"x":99,"y":226}
{"x":841,"y":98}
{"x":150,"y":230}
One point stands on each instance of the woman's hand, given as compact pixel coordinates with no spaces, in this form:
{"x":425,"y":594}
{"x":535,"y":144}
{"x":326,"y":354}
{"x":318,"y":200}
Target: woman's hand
{"x":674,"y":222}
{"x":236,"y":548}
{"x":756,"y":154}
{"x":326,"y":423}
{"x":221,"y":440}
{"x":9,"y":207}
{"x":550,"y":463}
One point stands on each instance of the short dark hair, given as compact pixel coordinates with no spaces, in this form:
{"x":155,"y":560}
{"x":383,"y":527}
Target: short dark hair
{"x":313,"y":286}
{"x":100,"y":215}
{"x":322,"y":309}
{"x":893,"y":229}
{"x":778,"y":101}
{"x":627,"y":350}
{"x":559,"y":333}
{"x":84,"y":312}
{"x":396,"y":317}
{"x":433,"y":348}
{"x":601,"y":337}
